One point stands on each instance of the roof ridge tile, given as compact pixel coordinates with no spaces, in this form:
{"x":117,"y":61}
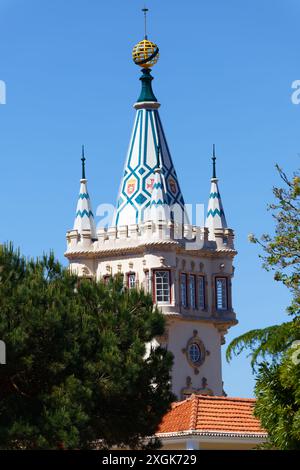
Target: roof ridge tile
{"x":194,"y":411}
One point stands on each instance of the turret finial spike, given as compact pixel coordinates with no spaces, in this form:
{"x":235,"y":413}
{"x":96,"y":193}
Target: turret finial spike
{"x":145,"y":10}
{"x":83,"y":163}
{"x":214,"y":162}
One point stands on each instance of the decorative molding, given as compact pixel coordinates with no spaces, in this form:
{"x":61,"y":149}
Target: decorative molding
{"x":189,"y":390}
{"x":162,"y":261}
{"x":86,"y":272}
{"x":198,"y":345}
{"x":77,"y":251}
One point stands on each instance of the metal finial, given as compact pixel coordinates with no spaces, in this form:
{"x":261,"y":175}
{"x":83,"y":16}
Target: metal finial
{"x":214,"y":162}
{"x":145,"y":10}
{"x":83,"y":163}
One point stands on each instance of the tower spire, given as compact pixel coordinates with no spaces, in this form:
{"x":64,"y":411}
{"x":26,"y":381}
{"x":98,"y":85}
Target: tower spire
{"x":84,"y":219}
{"x":215,"y":214}
{"x":145,"y":10}
{"x":83,"y":162}
{"x":214,"y":162}
{"x":149,"y":175}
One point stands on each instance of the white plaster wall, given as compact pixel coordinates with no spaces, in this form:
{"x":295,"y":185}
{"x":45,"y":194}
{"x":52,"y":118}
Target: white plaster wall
{"x":179,"y":333}
{"x":83,"y":267}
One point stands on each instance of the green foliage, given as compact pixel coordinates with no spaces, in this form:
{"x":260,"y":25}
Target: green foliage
{"x":77,"y":370}
{"x":282,"y":251}
{"x":278,"y":402}
{"x":266,"y":343}
{"x":278,"y":376}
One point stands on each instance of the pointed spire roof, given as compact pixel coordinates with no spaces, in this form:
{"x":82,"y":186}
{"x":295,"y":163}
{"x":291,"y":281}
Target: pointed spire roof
{"x":140,"y":175}
{"x":84,"y":219}
{"x":158,"y":209}
{"x":215,"y":213}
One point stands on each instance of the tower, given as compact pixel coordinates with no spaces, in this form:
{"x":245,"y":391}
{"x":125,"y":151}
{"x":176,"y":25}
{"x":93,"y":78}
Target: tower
{"x":187,"y":269}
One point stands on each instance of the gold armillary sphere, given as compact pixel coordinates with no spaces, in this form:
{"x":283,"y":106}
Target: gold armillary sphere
{"x":145,"y":53}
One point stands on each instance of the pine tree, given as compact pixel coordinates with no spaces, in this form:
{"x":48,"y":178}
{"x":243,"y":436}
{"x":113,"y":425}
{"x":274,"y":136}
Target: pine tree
{"x":77,"y":372}
{"x":275,"y":350}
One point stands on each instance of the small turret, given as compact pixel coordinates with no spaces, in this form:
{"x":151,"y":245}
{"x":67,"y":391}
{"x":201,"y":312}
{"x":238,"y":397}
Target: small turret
{"x":215,"y":213}
{"x":84,"y":219}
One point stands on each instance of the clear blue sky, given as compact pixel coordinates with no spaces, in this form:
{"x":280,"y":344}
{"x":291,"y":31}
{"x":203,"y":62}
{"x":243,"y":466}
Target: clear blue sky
{"x":224,"y":77}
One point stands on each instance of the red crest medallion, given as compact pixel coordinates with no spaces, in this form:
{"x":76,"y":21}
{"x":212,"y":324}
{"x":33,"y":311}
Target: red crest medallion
{"x":131,"y":186}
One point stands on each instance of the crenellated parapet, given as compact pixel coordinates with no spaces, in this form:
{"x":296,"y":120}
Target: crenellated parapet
{"x":163,"y":233}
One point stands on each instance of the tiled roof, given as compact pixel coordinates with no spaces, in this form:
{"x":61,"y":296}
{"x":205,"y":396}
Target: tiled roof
{"x":207,"y":414}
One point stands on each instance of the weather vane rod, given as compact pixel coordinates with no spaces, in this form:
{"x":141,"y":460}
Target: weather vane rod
{"x":83,"y":163}
{"x":214,"y":161}
{"x":145,"y":20}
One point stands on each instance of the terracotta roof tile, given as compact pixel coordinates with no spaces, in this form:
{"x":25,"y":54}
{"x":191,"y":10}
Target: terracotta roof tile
{"x":214,"y":414}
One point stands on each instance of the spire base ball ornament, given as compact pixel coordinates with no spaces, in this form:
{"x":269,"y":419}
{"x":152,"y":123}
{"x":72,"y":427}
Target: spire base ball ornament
{"x":145,"y":54}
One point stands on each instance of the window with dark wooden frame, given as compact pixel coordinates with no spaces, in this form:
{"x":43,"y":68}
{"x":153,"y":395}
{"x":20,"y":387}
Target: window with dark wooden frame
{"x":221,"y":293}
{"x":131,"y":280}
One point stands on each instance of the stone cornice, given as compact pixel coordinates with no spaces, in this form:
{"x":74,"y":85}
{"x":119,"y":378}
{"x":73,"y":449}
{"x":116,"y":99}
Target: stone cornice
{"x":94,"y":252}
{"x":222,"y":323}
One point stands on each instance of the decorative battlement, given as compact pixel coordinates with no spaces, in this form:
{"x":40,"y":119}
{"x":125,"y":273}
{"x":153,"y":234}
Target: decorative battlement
{"x":188,"y":237}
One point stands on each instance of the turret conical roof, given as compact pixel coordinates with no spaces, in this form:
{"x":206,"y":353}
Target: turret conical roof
{"x":84,"y":219}
{"x":215,"y":213}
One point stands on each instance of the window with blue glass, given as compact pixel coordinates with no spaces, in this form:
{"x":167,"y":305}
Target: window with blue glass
{"x":183,"y":290}
{"x":201,"y":292}
{"x":192,"y":288}
{"x":221,"y":293}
